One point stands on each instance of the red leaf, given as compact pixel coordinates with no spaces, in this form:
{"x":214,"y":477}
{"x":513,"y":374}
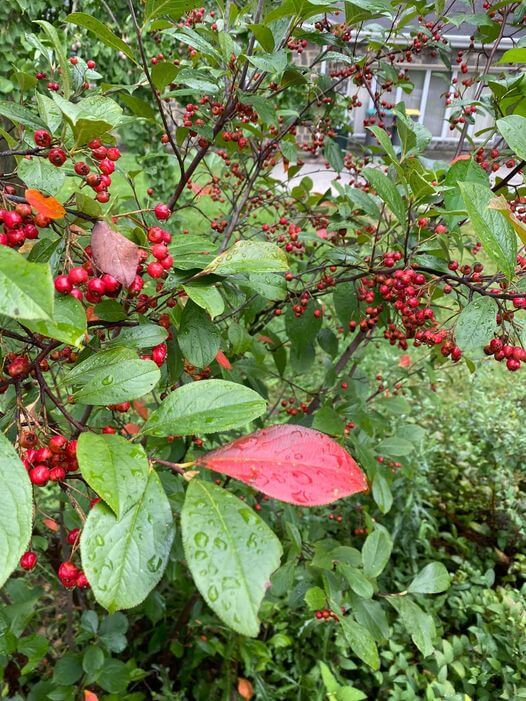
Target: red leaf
{"x":47,"y":206}
{"x":114,"y":254}
{"x":223,"y":360}
{"x":291,"y":463}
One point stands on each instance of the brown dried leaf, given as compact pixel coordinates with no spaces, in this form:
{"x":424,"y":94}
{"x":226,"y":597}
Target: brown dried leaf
{"x":114,"y":254}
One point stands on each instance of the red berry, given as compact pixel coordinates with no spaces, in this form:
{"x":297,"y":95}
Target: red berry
{"x":159,"y":354}
{"x":57,"y":444}
{"x":106,"y":166}
{"x":57,"y":157}
{"x":114,"y":154}
{"x":155,"y":270}
{"x":82,"y":581}
{"x":111,"y":284}
{"x":91,"y":64}
{"x":73,"y":536}
{"x":11,"y":219}
{"x":78,"y":275}
{"x":29,"y":560}
{"x":96,"y":286}
{"x":62,"y":284}
{"x":42,"y":138}
{"x":159,"y":251}
{"x":67,"y":573}
{"x":57,"y":473}
{"x":162,"y":212}
{"x":39,"y":475}
{"x":81,"y":168}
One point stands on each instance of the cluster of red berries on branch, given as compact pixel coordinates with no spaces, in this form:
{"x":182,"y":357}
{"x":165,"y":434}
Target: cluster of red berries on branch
{"x":50,"y":462}
{"x":20,"y":224}
{"x":501,"y":350}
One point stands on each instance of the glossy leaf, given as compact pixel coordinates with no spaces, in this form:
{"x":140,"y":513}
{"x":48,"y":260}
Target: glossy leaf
{"x":249,"y":257}
{"x":102,"y":32}
{"x":114,"y":254}
{"x":198,"y":337}
{"x":207,"y":406}
{"x":141,"y":336}
{"x":493,"y":230}
{"x":388,"y":192}
{"x":419,"y":625}
{"x":513,"y":130}
{"x":16,"y":509}
{"x":376,"y":551}
{"x":26,"y":289}
{"x":231,"y":553}
{"x":476,"y":324}
{"x":361,"y":642}
{"x":205,"y":296}
{"x":432,"y":579}
{"x":290,"y":463}
{"x":40,"y":174}
{"x":18,"y":114}
{"x":125,"y":558}
{"x":68,"y":324}
{"x":114,"y":467}
{"x":112,"y":376}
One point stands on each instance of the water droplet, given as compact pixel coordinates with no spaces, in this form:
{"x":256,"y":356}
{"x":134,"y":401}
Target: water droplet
{"x":229,"y":583}
{"x":213,"y":594}
{"x":220,"y":544}
{"x":108,"y":380}
{"x":99,"y":540}
{"x":200,"y":555}
{"x":201,"y":539}
{"x":154,"y":563}
{"x":252,"y":541}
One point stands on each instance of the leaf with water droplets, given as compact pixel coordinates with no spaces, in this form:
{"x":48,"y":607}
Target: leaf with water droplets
{"x":114,"y":467}
{"x":125,"y":558}
{"x":248,"y":257}
{"x":290,"y":463}
{"x":114,"y":254}
{"x":207,"y":406}
{"x":231,"y":553}
{"x":16,"y":509}
{"x":112,"y":376}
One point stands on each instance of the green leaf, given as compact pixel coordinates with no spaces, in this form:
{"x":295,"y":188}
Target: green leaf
{"x":333,"y":153}
{"x":476,"y":324}
{"x":26,"y":289}
{"x":114,"y":467}
{"x":432,"y":579}
{"x":198,"y":337}
{"x":101,"y":31}
{"x":387,"y":191}
{"x":174,"y":9}
{"x":142,"y":336}
{"x":16,"y":509}
{"x":21,"y":115}
{"x":65,"y":66}
{"x":513,"y":130}
{"x":346,"y":303}
{"x":274,"y":63}
{"x":461,"y":172}
{"x":206,"y":296}
{"x":207,"y":406}
{"x":385,"y":142}
{"x":361,"y":642}
{"x":315,"y":598}
{"x":263,"y":35}
{"x":163,"y":73}
{"x":112,"y":376}
{"x":68,"y":324}
{"x":492,"y":229}
{"x":268,"y":285}
{"x":382,"y":493}
{"x":395,"y":447}
{"x":231,"y":553}
{"x":39,"y":174}
{"x":371,"y":614}
{"x":305,"y":327}
{"x":248,"y":257}
{"x":376,"y":551}
{"x":125,"y":558}
{"x":418,"y":624}
{"x":92,"y":117}
{"x":517,"y":55}
{"x":356,"y":579}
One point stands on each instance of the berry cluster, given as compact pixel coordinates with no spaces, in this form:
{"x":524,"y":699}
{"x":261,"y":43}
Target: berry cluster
{"x":20,"y":225}
{"x":50,"y":462}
